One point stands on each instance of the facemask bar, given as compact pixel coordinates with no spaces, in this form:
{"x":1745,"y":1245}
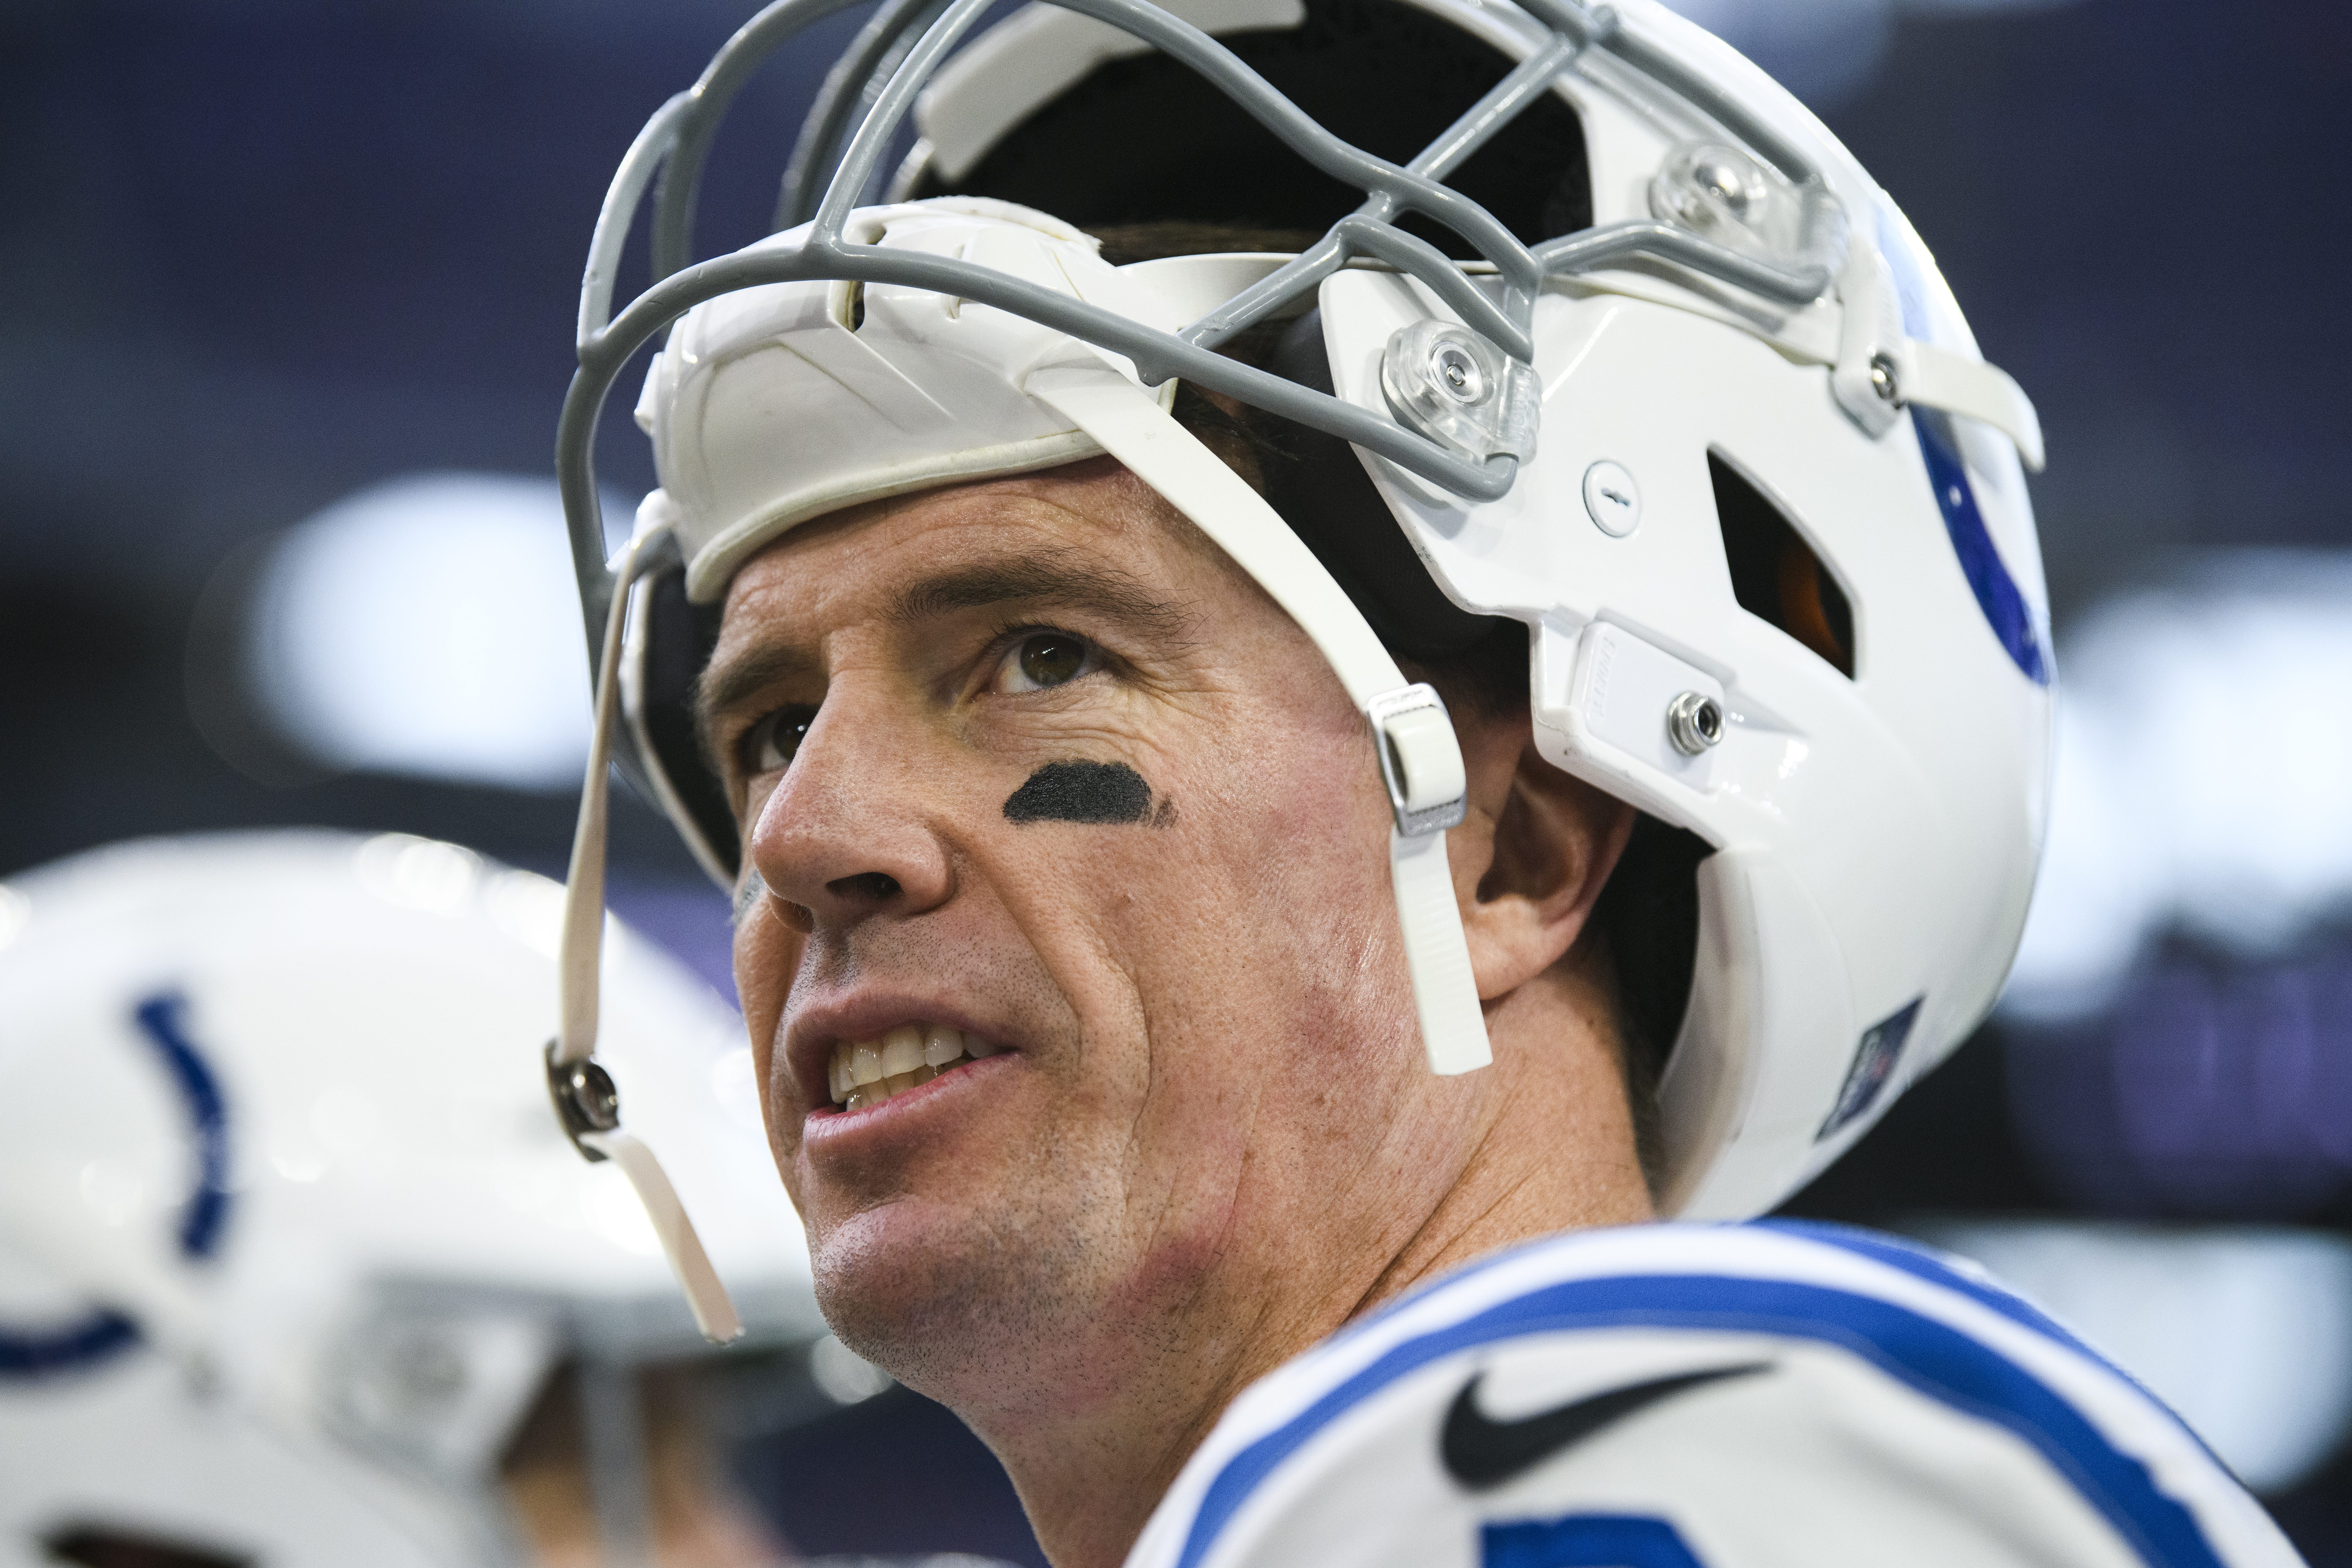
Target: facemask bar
{"x":857,"y":82}
{"x":1422,"y":765}
{"x":678,"y":139}
{"x":851,"y":89}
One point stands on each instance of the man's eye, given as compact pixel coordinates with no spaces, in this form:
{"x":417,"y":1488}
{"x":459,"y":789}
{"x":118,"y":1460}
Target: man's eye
{"x":769,"y":745}
{"x":1044,"y":659}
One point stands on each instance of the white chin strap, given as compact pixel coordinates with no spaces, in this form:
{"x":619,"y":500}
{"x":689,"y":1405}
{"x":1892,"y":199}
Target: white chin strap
{"x":1420,"y":758}
{"x":584,"y":1100}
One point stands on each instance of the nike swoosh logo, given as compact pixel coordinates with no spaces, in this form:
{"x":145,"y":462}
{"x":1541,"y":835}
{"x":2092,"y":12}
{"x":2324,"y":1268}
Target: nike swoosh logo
{"x":1480,"y":1452}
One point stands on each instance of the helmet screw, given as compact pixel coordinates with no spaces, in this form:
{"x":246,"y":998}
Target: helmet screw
{"x":1882,"y":379}
{"x":1694,"y":722}
{"x":1457,"y":373}
{"x":1722,"y":181}
{"x":1611,"y":498}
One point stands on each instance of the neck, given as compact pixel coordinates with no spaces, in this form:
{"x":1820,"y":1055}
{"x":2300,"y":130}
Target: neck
{"x":1558,"y":1152}
{"x":1538,"y":1143}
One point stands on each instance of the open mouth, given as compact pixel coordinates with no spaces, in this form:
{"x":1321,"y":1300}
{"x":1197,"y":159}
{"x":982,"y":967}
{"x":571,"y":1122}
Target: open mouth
{"x":867,"y":1072}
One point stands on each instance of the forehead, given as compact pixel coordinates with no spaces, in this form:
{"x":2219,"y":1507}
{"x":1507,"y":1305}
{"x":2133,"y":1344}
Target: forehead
{"x":1086,"y":526}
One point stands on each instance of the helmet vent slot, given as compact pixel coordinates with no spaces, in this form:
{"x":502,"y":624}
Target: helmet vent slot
{"x":1775,"y":573}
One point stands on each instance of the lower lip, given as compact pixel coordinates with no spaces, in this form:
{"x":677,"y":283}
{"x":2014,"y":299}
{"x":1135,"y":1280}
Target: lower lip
{"x":835,"y":1122}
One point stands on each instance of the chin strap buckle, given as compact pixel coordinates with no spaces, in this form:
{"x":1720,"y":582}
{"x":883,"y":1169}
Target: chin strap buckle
{"x":589,"y":1107}
{"x":1420,"y":760}
{"x":585,"y":1101}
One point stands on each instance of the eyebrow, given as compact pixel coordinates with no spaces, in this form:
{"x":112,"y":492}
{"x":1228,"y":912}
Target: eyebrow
{"x":722,"y":688}
{"x":1041,"y":580}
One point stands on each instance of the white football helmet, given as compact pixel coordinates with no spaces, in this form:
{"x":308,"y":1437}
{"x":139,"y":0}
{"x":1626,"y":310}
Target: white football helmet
{"x":288,"y":1242}
{"x":1633,"y":352}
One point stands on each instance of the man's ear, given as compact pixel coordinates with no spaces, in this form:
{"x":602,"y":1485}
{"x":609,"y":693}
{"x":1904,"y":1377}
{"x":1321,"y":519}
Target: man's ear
{"x":1530,"y":859}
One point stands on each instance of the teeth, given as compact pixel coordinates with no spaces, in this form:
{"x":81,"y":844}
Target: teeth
{"x":902,"y":1050}
{"x":867,"y":1072}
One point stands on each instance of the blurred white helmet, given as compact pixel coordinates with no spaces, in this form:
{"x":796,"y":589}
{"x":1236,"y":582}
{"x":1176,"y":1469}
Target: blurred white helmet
{"x":1634,"y":353}
{"x":290,"y":1244}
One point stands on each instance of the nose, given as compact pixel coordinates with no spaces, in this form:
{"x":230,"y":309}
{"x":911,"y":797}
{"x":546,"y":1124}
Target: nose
{"x":847,"y":835}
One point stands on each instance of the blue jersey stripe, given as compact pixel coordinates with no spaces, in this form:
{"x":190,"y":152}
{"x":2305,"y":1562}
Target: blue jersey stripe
{"x":1877,"y":1246}
{"x":1895,"y":1252}
{"x":1924,"y":1265}
{"x":1586,"y":1540}
{"x":1912,"y":1260}
{"x":1932,"y":1357}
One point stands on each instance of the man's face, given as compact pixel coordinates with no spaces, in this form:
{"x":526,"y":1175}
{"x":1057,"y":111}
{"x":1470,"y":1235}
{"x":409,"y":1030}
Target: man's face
{"x":1182,"y":950}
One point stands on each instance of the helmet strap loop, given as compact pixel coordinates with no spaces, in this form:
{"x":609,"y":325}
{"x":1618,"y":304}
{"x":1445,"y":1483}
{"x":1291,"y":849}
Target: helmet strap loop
{"x":1420,"y":758}
{"x":585,"y":1101}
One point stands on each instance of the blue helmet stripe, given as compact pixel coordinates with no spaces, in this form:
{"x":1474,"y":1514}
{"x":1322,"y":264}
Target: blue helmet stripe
{"x":207,"y":1210}
{"x":86,"y":1340}
{"x":102,"y":1332}
{"x":1997,"y":593}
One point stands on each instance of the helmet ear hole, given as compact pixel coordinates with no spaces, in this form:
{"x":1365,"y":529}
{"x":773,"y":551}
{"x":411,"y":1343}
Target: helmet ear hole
{"x":1775,"y":573}
{"x":1648,"y":914}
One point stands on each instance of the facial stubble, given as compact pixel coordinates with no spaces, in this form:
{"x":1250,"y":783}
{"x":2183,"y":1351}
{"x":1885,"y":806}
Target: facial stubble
{"x":989,"y":1292}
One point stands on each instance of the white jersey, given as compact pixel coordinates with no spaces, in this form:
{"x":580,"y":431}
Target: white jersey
{"x":1705,"y":1396}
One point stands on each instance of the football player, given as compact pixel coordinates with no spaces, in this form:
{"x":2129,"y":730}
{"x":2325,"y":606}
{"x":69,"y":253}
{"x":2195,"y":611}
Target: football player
{"x":1338,"y":650}
{"x":295,"y":1267}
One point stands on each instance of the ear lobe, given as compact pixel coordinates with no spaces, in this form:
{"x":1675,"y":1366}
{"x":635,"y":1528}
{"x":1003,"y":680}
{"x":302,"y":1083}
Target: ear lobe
{"x":1529,"y":862}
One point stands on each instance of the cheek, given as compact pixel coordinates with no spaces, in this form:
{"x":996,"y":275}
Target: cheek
{"x":767,"y":954}
{"x":1312,"y":873}
{"x":1298,"y":890}
{"x":1244,"y":909}
{"x":1243,"y":992}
